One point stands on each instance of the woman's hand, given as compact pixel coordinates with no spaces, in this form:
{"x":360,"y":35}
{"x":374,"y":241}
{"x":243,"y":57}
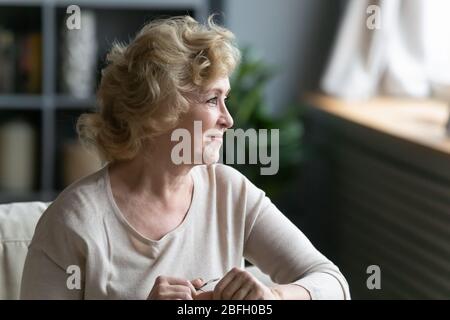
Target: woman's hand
{"x":169,"y":288}
{"x":239,"y":284}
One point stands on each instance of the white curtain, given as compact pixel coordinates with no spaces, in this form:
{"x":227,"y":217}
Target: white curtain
{"x":409,"y":54}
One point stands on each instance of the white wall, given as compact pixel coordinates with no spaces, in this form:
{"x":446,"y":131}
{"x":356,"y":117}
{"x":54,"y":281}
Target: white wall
{"x":294,"y":35}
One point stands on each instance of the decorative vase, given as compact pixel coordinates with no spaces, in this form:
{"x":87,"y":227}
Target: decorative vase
{"x":79,"y":57}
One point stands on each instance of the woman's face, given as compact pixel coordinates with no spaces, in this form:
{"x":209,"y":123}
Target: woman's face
{"x":207,"y":120}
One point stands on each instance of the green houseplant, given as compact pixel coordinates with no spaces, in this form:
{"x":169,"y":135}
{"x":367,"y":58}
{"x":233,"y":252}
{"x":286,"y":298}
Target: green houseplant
{"x":247,"y":105}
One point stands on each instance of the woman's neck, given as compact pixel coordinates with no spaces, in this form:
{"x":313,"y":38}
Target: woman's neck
{"x":152,"y":175}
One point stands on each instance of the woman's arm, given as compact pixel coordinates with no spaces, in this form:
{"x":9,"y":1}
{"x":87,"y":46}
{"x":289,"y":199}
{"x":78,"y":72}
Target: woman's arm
{"x":281,"y":250}
{"x":44,"y":279}
{"x":291,"y":292}
{"x":240,"y":284}
{"x":55,"y":264}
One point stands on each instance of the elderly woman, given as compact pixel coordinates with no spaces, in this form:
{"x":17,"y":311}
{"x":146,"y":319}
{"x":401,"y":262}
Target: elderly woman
{"x":148,"y":227}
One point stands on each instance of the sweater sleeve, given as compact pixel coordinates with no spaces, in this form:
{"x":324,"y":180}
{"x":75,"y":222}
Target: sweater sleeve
{"x":54,"y":266}
{"x":278,"y":248}
{"x":44,"y":279}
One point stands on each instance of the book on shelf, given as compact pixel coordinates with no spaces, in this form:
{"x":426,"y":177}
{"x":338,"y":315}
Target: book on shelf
{"x":7,"y":61}
{"x":17,"y":156}
{"x":20,"y":62}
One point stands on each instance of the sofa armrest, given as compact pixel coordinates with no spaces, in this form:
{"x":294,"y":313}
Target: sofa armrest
{"x":17,"y":224}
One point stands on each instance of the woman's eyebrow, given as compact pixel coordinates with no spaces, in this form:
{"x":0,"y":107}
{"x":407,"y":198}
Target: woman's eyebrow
{"x":219,"y":90}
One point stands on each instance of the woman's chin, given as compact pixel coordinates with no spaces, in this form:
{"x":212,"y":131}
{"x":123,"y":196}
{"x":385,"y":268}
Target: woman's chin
{"x":211,"y":153}
{"x":211,"y":159}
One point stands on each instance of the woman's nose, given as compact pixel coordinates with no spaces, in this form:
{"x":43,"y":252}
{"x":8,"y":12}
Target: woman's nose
{"x":226,"y":118}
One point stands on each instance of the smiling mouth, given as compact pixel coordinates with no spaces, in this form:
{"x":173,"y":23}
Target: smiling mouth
{"x":215,"y":137}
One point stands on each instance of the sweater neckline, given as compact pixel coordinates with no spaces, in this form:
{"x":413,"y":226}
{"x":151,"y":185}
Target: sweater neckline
{"x":136,"y":233}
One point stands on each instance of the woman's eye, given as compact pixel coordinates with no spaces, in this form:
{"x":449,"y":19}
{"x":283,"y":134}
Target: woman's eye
{"x":212,"y":101}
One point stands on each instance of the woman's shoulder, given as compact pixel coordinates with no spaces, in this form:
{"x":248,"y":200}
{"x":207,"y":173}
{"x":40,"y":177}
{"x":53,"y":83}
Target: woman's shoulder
{"x":78,"y":204}
{"x":219,"y":173}
{"x":225,"y":179}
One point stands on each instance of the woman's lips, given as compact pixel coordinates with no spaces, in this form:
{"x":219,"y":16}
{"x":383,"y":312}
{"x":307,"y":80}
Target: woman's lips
{"x":215,"y":138}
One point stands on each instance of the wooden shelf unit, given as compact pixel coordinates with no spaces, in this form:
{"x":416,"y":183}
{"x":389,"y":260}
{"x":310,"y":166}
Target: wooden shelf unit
{"x":115,"y":20}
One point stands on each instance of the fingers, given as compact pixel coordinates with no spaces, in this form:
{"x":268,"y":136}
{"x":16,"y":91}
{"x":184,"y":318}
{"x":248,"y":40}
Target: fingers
{"x":223,"y":283}
{"x":243,"y":291}
{"x":170,"y":292}
{"x":177,"y":281}
{"x":255,"y":294}
{"x":179,"y":292}
{"x":197,"y":283}
{"x":172,"y":288}
{"x":239,"y":280}
{"x":239,"y":284}
{"x":236,"y":284}
{"x":208,"y":295}
{"x":178,"y":296}
{"x":167,"y":291}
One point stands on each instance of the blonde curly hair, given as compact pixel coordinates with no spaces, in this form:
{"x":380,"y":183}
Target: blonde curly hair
{"x":146,"y":84}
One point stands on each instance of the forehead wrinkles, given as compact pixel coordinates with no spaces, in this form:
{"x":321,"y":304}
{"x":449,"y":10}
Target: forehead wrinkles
{"x":220,"y":86}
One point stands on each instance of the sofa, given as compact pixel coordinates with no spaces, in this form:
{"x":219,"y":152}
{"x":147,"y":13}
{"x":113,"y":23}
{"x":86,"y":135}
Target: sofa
{"x":17,"y":224}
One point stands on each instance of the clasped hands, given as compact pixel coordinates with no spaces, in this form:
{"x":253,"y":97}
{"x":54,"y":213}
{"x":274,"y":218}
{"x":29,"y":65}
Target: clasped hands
{"x":237,"y":284}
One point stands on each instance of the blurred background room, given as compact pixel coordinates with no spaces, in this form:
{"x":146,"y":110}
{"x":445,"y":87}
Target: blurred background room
{"x":360,"y":90}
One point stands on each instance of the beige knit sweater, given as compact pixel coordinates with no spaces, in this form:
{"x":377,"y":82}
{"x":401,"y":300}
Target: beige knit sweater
{"x":229,"y":219}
